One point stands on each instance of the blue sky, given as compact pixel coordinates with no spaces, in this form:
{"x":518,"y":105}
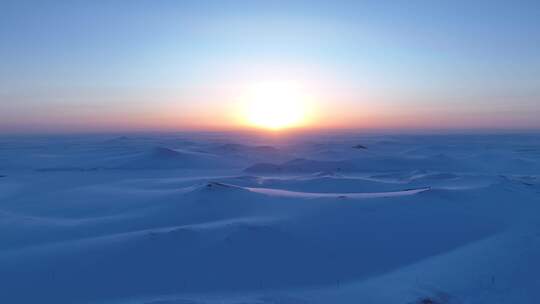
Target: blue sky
{"x":112,"y":65}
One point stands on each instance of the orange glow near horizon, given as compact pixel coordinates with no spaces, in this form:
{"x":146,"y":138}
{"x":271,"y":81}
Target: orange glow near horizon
{"x":274,"y":104}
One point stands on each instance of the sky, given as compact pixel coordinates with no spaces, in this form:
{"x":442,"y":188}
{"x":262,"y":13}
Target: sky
{"x":70,"y":66}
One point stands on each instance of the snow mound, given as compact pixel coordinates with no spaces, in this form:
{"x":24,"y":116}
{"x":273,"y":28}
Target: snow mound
{"x":166,"y":158}
{"x":302,"y":166}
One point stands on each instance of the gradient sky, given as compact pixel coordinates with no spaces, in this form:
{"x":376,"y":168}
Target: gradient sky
{"x":177,"y":65}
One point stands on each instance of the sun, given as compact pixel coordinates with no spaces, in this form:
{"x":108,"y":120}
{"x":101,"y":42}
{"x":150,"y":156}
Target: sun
{"x":276,"y":106}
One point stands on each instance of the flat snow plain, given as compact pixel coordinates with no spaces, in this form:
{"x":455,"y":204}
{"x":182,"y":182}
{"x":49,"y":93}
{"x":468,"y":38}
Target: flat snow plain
{"x":236,"y":219}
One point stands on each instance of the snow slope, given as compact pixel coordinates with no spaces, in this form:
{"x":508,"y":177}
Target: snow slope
{"x":175,"y":219}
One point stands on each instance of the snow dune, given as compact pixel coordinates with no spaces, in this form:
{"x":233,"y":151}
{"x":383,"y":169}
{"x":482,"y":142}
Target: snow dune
{"x":175,"y":219}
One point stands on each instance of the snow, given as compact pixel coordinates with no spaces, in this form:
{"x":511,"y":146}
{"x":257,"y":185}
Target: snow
{"x":230,"y":218}
{"x":295,"y":194}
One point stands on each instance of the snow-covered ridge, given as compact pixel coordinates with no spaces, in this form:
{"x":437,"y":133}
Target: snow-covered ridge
{"x":297,"y":194}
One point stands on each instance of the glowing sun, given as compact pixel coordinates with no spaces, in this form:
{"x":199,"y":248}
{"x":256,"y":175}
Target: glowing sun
{"x":276,"y":106}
